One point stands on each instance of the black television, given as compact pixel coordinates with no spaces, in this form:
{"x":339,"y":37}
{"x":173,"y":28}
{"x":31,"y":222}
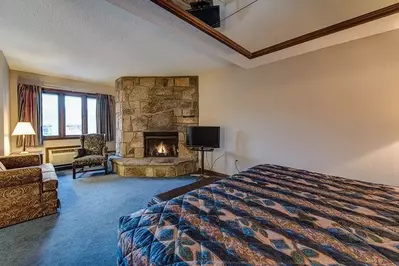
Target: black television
{"x":210,"y":15}
{"x":203,"y":136}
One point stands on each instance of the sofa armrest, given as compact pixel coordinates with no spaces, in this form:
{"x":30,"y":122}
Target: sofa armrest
{"x":21,"y":176}
{"x":20,"y":161}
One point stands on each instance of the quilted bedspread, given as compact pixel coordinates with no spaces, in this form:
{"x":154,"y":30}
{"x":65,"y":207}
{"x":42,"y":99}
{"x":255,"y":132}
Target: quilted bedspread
{"x":268,"y":215}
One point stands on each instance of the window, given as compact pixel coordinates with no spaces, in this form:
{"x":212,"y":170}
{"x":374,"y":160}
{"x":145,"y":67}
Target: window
{"x":73,"y":116}
{"x":68,"y":114}
{"x":50,"y":113}
{"x":91,"y":115}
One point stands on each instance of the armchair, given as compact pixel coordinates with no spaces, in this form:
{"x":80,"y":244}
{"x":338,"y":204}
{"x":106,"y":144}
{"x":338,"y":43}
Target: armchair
{"x":93,"y":151}
{"x":28,"y":189}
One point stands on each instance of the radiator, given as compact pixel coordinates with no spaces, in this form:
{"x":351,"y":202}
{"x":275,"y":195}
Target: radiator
{"x":61,"y":155}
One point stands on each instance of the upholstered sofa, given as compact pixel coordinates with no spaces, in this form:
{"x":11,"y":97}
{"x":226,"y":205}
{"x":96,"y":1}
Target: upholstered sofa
{"x":28,"y":189}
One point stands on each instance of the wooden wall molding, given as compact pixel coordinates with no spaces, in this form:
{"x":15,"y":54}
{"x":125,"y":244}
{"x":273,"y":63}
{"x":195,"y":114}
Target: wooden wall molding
{"x":344,"y":25}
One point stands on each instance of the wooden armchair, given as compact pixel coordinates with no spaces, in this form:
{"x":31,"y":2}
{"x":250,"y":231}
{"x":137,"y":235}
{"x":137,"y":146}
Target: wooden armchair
{"x":93,"y":151}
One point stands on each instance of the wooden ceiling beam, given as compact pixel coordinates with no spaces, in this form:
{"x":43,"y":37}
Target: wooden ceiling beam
{"x":344,"y":25}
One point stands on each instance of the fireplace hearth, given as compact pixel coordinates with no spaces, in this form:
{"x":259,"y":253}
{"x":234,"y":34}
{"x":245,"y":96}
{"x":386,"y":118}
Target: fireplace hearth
{"x":161,"y":144}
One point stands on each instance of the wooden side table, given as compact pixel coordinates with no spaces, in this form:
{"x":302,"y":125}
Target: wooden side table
{"x":28,"y":153}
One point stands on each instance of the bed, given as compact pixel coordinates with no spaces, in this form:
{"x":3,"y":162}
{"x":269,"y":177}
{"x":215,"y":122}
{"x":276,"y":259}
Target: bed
{"x":268,"y":215}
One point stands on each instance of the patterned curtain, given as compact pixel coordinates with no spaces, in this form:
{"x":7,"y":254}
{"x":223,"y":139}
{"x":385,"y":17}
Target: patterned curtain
{"x":29,"y":110}
{"x":106,"y":116}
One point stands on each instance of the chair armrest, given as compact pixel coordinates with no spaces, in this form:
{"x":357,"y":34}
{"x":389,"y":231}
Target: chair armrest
{"x":16,"y":177}
{"x":20,"y":161}
{"x":80,"y":153}
{"x":105,"y":151}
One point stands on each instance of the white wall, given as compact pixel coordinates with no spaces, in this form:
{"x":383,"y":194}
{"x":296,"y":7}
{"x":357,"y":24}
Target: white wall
{"x":4,"y":107}
{"x":55,"y":83}
{"x":334,"y":111}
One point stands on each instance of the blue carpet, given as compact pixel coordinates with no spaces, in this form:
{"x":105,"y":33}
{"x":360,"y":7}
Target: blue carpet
{"x":85,"y":230}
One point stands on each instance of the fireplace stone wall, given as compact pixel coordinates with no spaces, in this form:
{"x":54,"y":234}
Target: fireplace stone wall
{"x":154,"y":104}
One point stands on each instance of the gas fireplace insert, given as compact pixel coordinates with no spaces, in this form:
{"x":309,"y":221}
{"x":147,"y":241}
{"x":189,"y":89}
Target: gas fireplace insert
{"x":161,"y":144}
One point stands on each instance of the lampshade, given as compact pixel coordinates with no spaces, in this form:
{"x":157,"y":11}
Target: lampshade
{"x":23,"y":128}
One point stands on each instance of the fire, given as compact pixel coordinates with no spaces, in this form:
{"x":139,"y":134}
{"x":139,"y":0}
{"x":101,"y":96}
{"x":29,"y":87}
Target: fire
{"x":161,"y":148}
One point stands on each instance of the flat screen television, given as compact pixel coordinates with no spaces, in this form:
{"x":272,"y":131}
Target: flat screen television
{"x":210,"y":15}
{"x":203,"y":136}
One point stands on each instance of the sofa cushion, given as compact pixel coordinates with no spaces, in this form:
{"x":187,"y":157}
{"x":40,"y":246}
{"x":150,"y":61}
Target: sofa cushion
{"x":50,"y":181}
{"x":20,"y":161}
{"x":2,"y":167}
{"x":47,"y":167}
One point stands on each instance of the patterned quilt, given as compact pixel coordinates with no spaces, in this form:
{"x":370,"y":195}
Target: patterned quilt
{"x":268,"y":215}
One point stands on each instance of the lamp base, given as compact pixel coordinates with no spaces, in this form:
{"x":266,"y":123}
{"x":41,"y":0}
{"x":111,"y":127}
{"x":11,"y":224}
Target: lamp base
{"x":24,"y":152}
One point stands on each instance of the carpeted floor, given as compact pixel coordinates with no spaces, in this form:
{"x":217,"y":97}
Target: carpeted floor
{"x":85,"y":230}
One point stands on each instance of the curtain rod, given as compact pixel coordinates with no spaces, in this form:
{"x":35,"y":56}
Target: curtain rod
{"x":28,"y":81}
{"x":54,"y":87}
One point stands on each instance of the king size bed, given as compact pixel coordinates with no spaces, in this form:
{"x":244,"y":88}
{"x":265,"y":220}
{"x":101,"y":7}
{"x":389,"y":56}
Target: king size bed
{"x":268,"y":215}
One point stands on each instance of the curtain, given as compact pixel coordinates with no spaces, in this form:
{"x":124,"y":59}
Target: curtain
{"x":29,"y":110}
{"x":106,"y":116}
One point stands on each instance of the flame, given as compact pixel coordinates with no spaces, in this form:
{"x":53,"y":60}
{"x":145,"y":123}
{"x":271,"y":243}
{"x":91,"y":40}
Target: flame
{"x":161,"y":148}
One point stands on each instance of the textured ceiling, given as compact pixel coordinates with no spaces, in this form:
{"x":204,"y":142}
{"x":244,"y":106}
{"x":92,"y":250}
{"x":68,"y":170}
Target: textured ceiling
{"x":92,"y":40}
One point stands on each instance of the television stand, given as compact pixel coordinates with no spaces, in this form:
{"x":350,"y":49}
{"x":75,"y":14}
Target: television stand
{"x":202,"y":150}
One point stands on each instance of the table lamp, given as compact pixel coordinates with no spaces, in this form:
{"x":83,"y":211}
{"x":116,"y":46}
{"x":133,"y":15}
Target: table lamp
{"x":23,"y":129}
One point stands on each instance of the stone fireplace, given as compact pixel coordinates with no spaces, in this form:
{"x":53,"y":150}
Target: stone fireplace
{"x":152,"y":115}
{"x":161,"y":144}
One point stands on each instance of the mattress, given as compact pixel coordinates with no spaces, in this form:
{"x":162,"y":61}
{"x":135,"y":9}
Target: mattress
{"x":268,"y":215}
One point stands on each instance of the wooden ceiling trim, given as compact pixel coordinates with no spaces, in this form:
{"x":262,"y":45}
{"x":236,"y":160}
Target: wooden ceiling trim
{"x":344,"y":25}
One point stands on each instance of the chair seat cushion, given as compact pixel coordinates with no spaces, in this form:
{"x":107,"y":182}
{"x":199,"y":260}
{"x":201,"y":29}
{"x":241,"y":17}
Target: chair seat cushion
{"x":89,"y":160}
